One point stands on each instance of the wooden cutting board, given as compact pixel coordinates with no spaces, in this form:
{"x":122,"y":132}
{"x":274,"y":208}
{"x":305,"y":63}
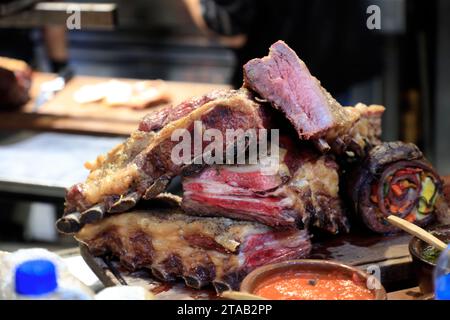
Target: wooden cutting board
{"x":63,"y":113}
{"x":388,"y":253}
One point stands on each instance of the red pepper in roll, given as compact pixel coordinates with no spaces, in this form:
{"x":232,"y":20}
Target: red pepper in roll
{"x":396,"y":179}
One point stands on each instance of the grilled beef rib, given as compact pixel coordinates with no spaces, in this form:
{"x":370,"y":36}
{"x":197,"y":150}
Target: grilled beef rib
{"x":199,"y":249}
{"x":142,"y":165}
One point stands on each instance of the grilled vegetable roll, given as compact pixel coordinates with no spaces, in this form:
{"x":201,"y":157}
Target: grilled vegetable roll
{"x":396,"y":179}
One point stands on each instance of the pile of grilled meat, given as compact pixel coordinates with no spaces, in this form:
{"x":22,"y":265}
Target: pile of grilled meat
{"x":232,"y":218}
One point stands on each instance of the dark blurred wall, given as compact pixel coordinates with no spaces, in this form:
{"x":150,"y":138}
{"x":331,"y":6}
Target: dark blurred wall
{"x":441,"y":117}
{"x":154,"y":39}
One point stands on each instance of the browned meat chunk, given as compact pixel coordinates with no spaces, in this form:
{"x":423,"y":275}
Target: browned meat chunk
{"x":363,"y":135}
{"x":142,"y":166}
{"x":155,"y":121}
{"x":283,"y":79}
{"x":301,"y":191}
{"x":200,"y":250}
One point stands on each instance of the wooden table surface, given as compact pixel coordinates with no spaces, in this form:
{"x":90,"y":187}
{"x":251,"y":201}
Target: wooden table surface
{"x":62,"y":113}
{"x":78,"y":267}
{"x":386,"y":255}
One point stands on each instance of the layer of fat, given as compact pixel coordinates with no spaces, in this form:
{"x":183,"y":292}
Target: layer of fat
{"x":167,"y":236}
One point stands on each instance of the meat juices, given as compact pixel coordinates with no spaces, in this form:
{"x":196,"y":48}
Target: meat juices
{"x":201,"y":250}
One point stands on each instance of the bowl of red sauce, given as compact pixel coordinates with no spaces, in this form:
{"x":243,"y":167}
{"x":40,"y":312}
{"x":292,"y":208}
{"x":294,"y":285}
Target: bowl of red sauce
{"x":312,"y":280}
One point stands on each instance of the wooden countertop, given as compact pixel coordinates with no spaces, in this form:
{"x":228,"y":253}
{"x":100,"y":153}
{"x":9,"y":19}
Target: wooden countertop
{"x":62,"y":113}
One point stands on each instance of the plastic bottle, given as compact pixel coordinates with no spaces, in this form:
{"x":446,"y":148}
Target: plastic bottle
{"x":442,"y":276}
{"x":37,"y":280}
{"x":39,"y":274}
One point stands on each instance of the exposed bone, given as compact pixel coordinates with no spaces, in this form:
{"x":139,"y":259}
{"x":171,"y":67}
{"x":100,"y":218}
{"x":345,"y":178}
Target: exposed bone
{"x":200,"y":275}
{"x":69,"y":223}
{"x":194,"y":282}
{"x":221,"y":286}
{"x":93,"y":214}
{"x":261,"y":100}
{"x":124,"y":203}
{"x":156,"y":188}
{"x":338,"y":145}
{"x":146,"y":239}
{"x":322,"y":145}
{"x":166,"y":200}
{"x":356,"y":148}
{"x":351,"y":154}
{"x":161,"y":274}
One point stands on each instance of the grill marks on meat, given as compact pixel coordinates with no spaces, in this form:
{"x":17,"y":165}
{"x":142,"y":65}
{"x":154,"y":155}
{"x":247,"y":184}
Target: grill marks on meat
{"x":396,"y":179}
{"x":116,"y":182}
{"x":200,"y":250}
{"x":284,"y":80}
{"x":303,"y":190}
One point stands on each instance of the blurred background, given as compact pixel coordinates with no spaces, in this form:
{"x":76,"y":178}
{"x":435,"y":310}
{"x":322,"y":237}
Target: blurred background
{"x":195,"y":46}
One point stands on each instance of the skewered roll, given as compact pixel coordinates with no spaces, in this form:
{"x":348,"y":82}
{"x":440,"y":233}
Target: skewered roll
{"x":396,"y":179}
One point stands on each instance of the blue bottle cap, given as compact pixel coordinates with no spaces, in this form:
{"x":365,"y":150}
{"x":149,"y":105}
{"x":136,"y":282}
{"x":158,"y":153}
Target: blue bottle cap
{"x":442,"y":287}
{"x":35,"y":277}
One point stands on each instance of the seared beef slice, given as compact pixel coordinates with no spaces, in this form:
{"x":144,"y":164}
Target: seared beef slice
{"x":283,"y":79}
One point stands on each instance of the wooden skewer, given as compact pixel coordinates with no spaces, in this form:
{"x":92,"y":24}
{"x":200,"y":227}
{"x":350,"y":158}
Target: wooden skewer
{"x":417,"y":231}
{"x":237,"y":295}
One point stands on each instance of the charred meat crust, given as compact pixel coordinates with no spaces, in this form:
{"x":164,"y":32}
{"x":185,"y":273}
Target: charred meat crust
{"x":155,"y":121}
{"x":142,"y":166}
{"x":199,"y":250}
{"x":390,"y":152}
{"x":362,"y":136}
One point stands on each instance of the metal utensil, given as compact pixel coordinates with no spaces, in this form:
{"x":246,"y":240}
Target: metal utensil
{"x":48,"y":89}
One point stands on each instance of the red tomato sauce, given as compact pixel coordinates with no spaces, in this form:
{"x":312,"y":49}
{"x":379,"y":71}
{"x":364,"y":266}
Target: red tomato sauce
{"x":313,"y":286}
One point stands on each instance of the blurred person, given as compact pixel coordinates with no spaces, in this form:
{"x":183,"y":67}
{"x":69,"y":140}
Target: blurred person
{"x":19,"y":44}
{"x":330,"y":36}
